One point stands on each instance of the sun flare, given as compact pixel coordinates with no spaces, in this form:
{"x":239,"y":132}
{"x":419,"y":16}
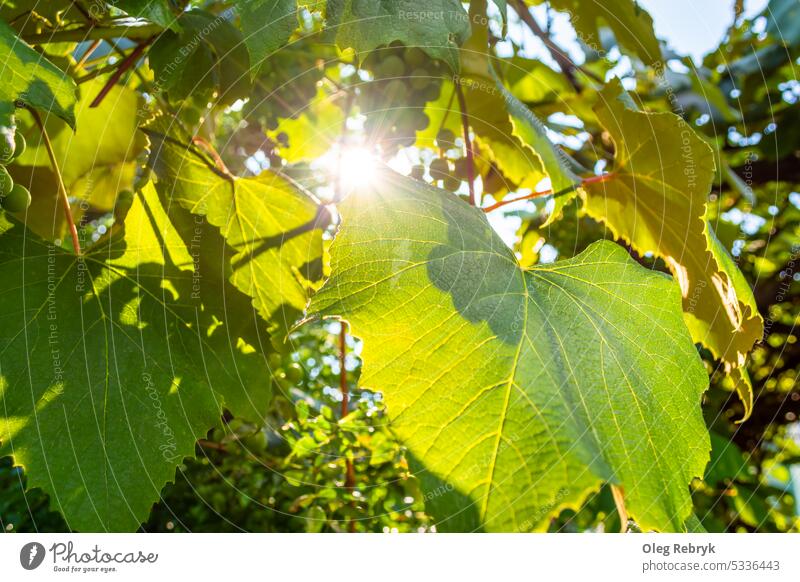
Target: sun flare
{"x":356,"y":167}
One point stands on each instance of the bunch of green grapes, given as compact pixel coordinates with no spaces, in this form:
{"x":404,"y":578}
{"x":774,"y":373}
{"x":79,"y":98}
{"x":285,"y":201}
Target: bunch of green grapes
{"x":285,"y":84}
{"x":445,"y":171}
{"x":13,"y":197}
{"x":405,"y":78}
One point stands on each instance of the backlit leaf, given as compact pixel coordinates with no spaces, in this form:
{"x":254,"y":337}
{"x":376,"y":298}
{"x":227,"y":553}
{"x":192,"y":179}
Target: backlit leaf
{"x":657,"y":202}
{"x":270,"y":226}
{"x":32,"y":79}
{"x":111,"y":366}
{"x":438,"y":27}
{"x":517,"y":391}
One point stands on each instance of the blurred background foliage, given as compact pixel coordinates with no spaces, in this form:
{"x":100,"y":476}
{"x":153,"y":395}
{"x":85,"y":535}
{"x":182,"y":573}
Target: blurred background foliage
{"x":310,"y":469}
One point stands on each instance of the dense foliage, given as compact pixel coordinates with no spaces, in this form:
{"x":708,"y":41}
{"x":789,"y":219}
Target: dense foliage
{"x":569,"y":272}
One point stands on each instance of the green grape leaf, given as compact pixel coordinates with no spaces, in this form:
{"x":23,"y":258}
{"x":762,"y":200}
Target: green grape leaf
{"x":271,"y":227}
{"x":111,"y":366}
{"x":516,"y":139}
{"x":631,"y":24}
{"x":517,"y":392}
{"x":156,"y":11}
{"x":267,"y":26}
{"x":727,"y":461}
{"x":438,"y":26}
{"x":32,"y":79}
{"x":656,"y":201}
{"x":96,"y":161}
{"x":783,"y":21}
{"x":312,"y":132}
{"x":206,"y":58}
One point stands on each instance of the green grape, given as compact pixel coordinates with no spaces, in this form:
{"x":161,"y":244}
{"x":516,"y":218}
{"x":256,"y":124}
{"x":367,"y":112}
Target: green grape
{"x":494,"y":182}
{"x":417,"y":171}
{"x":460,"y":168}
{"x":295,"y":373}
{"x":419,"y":120}
{"x":420,"y":78}
{"x":19,"y":145}
{"x":431,"y":91}
{"x":440,"y":169}
{"x":255,"y":442}
{"x":404,"y":119}
{"x":451,"y":183}
{"x":405,"y":141}
{"x":286,"y":82}
{"x":6,"y":182}
{"x":6,"y":146}
{"x":415,"y":57}
{"x":396,"y":91}
{"x":391,"y":66}
{"x":17,"y":200}
{"x":274,"y":361}
{"x":445,"y":139}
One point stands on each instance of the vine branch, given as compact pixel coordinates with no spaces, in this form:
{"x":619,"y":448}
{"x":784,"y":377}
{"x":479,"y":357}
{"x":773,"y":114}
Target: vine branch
{"x":124,"y":65}
{"x":540,"y":193}
{"x":62,"y":190}
{"x":95,"y":33}
{"x":565,"y":63}
{"x":462,"y":104}
{"x":350,"y":472}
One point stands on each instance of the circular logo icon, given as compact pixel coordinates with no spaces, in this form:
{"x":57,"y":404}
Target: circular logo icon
{"x":31,"y":555}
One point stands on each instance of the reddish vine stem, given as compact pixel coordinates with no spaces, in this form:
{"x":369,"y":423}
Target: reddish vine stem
{"x":462,"y":104}
{"x":209,"y":149}
{"x":124,"y":65}
{"x":350,"y":472}
{"x":567,"y":65}
{"x":447,"y":111}
{"x":89,"y":51}
{"x":62,"y":190}
{"x":343,"y":370}
{"x":567,"y":190}
{"x":618,"y":493}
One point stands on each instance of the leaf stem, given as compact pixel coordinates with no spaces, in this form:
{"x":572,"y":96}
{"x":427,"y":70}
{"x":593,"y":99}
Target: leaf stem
{"x":566,"y":64}
{"x":343,"y":370}
{"x":462,"y":104}
{"x":62,"y":191}
{"x":447,"y":111}
{"x":209,"y":149}
{"x":619,"y":500}
{"x":124,"y":65}
{"x":85,"y":57}
{"x":350,"y":472}
{"x":567,"y":190}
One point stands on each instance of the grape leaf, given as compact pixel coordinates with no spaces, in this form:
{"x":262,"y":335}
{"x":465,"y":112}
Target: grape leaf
{"x":783,"y":21}
{"x":32,"y":79}
{"x":267,"y":26}
{"x":517,"y":391}
{"x":269,"y":224}
{"x":156,"y":11}
{"x":438,"y":27}
{"x":312,"y":132}
{"x":96,"y":161}
{"x":657,"y":201}
{"x":516,"y":138}
{"x":206,"y":58}
{"x":111,"y":366}
{"x":631,"y":24}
